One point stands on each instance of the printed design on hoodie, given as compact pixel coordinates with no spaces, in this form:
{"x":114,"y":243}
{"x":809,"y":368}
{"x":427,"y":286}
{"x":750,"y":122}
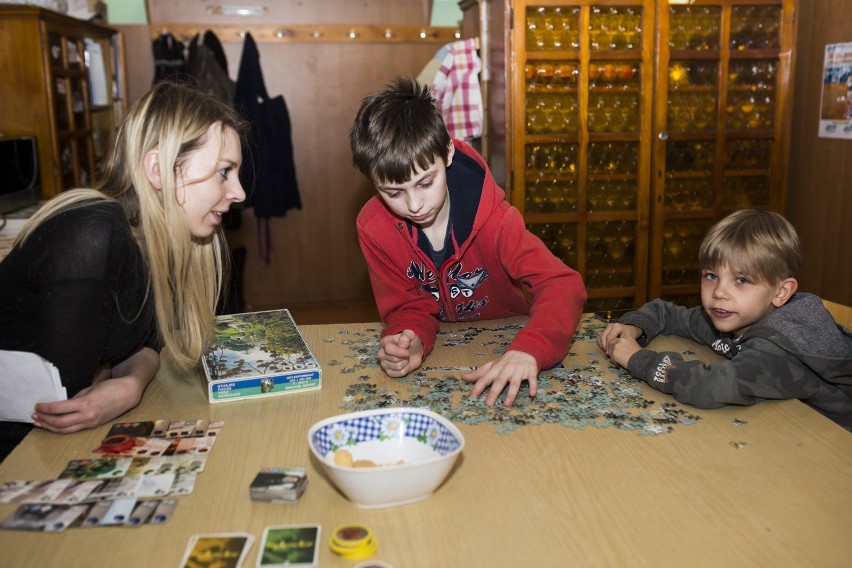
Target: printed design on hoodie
{"x":461,"y":285}
{"x":725,"y":347}
{"x":427,"y":278}
{"x":660,"y":375}
{"x":464,"y":284}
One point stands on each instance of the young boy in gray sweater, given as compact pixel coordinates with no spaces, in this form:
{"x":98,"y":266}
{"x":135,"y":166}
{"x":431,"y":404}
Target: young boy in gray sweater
{"x":780,"y":344}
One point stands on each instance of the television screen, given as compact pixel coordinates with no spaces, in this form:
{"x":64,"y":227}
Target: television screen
{"x":20,"y":183}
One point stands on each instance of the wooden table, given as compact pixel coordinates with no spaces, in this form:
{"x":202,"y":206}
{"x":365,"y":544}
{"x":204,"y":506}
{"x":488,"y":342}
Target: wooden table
{"x":768,"y":485}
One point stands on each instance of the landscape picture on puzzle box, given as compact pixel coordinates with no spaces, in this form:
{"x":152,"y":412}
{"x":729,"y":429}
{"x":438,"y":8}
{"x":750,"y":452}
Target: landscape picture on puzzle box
{"x":256,"y":344}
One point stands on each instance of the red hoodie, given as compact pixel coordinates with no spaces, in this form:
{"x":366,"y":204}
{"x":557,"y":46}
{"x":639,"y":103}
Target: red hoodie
{"x":495,"y":266}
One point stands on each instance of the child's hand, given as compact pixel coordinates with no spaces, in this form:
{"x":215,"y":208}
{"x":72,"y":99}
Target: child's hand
{"x":401,"y":353}
{"x":512,"y":369}
{"x":619,"y":342}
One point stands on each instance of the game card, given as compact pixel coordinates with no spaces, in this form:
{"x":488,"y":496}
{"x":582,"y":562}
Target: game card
{"x":201,"y":427}
{"x":42,"y":517}
{"x":155,"y":485}
{"x":183,"y":484}
{"x":223,"y":550}
{"x":177,"y":427}
{"x":134,"y":429}
{"x":95,"y":469}
{"x":23,"y":491}
{"x":65,"y":517}
{"x":95,"y":513}
{"x":292,"y":545}
{"x":214,"y":428}
{"x":78,"y":492}
{"x":142,"y":514}
{"x":11,"y":490}
{"x":50,"y":491}
{"x":164,"y":511}
{"x":118,"y":512}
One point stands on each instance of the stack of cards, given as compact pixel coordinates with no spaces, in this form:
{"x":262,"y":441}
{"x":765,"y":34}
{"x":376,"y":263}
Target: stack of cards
{"x":279,"y":485}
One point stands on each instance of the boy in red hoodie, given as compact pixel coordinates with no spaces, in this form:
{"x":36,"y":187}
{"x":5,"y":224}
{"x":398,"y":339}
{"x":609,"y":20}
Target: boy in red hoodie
{"x":443,"y":244}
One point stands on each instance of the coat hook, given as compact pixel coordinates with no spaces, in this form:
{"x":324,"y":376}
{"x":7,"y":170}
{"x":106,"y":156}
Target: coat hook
{"x":423,"y":34}
{"x":316,"y":34}
{"x":388,"y":33}
{"x":242,"y":33}
{"x":282,"y":34}
{"x":353,"y":34}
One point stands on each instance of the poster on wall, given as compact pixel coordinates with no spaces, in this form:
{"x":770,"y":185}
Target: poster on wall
{"x":835,"y":119}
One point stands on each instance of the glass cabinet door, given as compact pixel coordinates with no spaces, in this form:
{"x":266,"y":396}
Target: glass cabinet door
{"x":580,"y":165}
{"x":721,"y":110}
{"x":635,"y":125}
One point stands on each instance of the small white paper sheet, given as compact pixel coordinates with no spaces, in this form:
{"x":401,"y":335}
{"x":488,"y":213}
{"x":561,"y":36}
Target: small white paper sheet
{"x":25,"y":379}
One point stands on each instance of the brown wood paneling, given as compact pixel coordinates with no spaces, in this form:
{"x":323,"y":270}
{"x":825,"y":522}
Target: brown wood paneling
{"x":820,"y":190}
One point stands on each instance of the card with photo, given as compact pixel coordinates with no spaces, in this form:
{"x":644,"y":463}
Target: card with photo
{"x":222,"y":550}
{"x":95,"y":469}
{"x":43,"y":517}
{"x":290,"y":545}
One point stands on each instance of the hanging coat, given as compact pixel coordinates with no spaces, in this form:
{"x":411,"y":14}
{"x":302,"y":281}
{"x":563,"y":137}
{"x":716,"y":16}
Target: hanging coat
{"x":207,"y":64}
{"x":168,"y":57}
{"x":268,"y":173}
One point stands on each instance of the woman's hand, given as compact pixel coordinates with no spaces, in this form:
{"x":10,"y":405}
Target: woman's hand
{"x":105,"y":400}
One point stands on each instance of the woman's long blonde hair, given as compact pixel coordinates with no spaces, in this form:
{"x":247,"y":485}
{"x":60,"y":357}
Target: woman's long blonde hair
{"x":186,"y":273}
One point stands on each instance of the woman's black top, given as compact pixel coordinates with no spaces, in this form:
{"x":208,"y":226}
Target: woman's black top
{"x":76,"y":293}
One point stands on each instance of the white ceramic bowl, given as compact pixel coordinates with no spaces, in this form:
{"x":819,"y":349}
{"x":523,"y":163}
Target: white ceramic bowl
{"x":413,"y":450}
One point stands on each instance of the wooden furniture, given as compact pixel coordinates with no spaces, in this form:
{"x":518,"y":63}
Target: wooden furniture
{"x":636,"y":124}
{"x":842,"y":314}
{"x":62,"y":83}
{"x":766,"y":485}
{"x":820,"y":177}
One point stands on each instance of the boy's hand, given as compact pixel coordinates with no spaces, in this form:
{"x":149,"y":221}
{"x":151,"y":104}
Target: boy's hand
{"x":401,"y":353}
{"x":619,"y":342}
{"x":512,"y":369}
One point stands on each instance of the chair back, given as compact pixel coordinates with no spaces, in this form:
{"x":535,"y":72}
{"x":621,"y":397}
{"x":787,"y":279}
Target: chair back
{"x":841,"y":314}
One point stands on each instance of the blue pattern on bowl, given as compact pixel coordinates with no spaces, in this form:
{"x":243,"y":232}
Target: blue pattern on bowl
{"x":385,"y":427}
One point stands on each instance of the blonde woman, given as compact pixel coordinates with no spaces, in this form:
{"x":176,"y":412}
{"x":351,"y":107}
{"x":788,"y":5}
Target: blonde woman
{"x":100,"y":280}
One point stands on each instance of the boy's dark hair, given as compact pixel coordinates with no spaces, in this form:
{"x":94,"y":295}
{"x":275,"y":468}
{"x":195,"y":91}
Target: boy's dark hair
{"x":761,"y":244}
{"x":398,"y":131}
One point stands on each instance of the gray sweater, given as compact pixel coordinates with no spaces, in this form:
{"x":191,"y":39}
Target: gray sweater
{"x":797,"y":351}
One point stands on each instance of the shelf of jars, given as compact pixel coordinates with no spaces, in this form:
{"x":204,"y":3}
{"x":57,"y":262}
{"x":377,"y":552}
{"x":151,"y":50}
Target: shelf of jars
{"x":579,"y":179}
{"x":721,"y":129}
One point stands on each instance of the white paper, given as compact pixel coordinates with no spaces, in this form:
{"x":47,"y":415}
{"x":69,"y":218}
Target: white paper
{"x":97,"y":73}
{"x":26,"y":379}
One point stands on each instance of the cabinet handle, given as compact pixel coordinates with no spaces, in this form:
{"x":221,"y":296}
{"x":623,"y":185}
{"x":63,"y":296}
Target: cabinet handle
{"x":663,"y":136}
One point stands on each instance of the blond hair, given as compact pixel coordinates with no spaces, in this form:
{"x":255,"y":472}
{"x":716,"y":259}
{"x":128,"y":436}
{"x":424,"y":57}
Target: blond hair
{"x":186,"y":273}
{"x":761,"y":244}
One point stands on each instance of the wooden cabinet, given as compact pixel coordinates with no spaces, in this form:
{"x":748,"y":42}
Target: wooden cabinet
{"x":62,"y":83}
{"x":637,"y":124}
